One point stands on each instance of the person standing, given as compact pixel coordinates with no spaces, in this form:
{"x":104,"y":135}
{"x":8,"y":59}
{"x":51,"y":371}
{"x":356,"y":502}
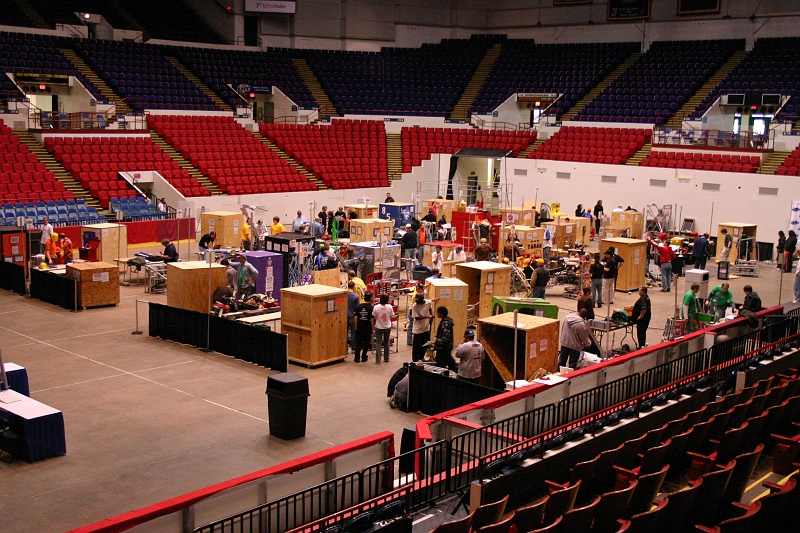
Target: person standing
{"x":323,"y":216}
{"x":457,"y":254}
{"x":443,"y":343}
{"x":230,"y":273}
{"x":261,"y":232}
{"x":246,"y":275}
{"x":276,"y":226}
{"x":598,"y":215}
{"x":721,"y":298}
{"x":700,"y":251}
{"x":789,"y":249}
{"x":51,"y":250}
{"x":596,"y":270}
{"x":383,"y":313}
{"x":364,"y":322}
{"x":527,"y":269}
{"x":66,"y":249}
{"x":360,"y":286}
{"x":162,"y":207}
{"x":298,"y":222}
{"x":483,"y":251}
{"x":609,"y":275}
{"x":437,"y":256}
{"x":353,"y":301}
{"x":540,"y":279}
{"x":665,"y":257}
{"x":470,"y":358}
{"x":408,"y":243}
{"x":779,"y":248}
{"x":547,"y":244}
{"x":206,"y":243}
{"x":796,"y":283}
{"x":47,"y":230}
{"x":641,"y":315}
{"x":579,"y":210}
{"x":585,"y":302}
{"x":247,"y":236}
{"x":689,"y":308}
{"x":388,"y":199}
{"x":575,"y":337}
{"x":422,"y":312}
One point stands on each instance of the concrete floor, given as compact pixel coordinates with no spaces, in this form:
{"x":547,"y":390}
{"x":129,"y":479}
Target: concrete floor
{"x":147,"y":419}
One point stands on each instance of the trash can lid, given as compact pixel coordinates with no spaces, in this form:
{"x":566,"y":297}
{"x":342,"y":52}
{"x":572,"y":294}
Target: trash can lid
{"x":287,"y":384}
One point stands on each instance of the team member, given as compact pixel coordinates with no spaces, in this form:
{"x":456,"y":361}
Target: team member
{"x":170,"y":254}
{"x":299,"y":222}
{"x":66,"y":249}
{"x":540,"y":279}
{"x":482,"y":251}
{"x":364,"y":322}
{"x":527,"y":269}
{"x":721,"y":298}
{"x":596,"y":271}
{"x":689,"y":307}
{"x":408,"y":242}
{"x":727,"y":244}
{"x":276,"y":226}
{"x":547,"y":244}
{"x":383,"y":314}
{"x":585,"y":302}
{"x":47,"y":230}
{"x":457,"y":254}
{"x":353,"y":301}
{"x":598,"y":215}
{"x":361,"y":287}
{"x":700,"y":251}
{"x":422,"y":312}
{"x":247,"y":236}
{"x":246,"y":275}
{"x":388,"y":199}
{"x":443,"y":343}
{"x":207,"y":242}
{"x":51,"y":250}
{"x":642,"y":314}
{"x":575,"y":337}
{"x":609,"y":275}
{"x":665,"y":256}
{"x":261,"y":232}
{"x":470,"y":358}
{"x":752,"y":302}
{"x":437,"y":256}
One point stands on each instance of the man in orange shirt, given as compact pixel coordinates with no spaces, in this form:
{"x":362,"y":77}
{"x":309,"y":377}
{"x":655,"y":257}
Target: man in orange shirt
{"x":51,"y":249}
{"x":66,"y":249}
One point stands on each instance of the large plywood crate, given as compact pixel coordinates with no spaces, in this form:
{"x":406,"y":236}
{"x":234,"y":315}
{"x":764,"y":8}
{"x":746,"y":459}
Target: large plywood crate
{"x":441,"y":207}
{"x":484,"y":279}
{"x":98,"y":283}
{"x":563,"y":234}
{"x":331,"y":277}
{"x":449,"y":268}
{"x":612,"y":232}
{"x":537,"y":344}
{"x":188,"y":284}
{"x":370,"y":229}
{"x":228,"y":226}
{"x":452,"y":294}
{"x":631,"y":273}
{"x":632,"y":220}
{"x":519,"y":217}
{"x":530,"y":239}
{"x":315,"y":319}
{"x":113,"y":240}
{"x":362,"y":210}
{"x":735,"y":230}
{"x":583,"y":229}
{"x":430,"y":247}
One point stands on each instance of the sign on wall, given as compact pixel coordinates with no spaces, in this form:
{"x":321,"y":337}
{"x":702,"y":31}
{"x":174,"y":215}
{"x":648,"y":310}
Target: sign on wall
{"x":628,"y":9}
{"x":691,"y":7}
{"x":270,"y":6}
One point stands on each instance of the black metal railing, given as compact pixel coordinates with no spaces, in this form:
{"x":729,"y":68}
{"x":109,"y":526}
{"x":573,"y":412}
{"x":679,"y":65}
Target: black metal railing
{"x":670,"y":372}
{"x":587,"y":402}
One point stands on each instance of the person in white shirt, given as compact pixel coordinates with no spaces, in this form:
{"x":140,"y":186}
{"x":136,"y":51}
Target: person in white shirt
{"x":299,"y":222}
{"x":457,"y":254}
{"x":47,"y":230}
{"x":261,"y":232}
{"x":437,"y":256}
{"x":162,"y":206}
{"x":383,"y":313}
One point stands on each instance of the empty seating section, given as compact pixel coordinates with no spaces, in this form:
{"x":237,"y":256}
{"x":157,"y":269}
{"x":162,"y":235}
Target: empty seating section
{"x":64,"y":11}
{"x":12,"y":15}
{"x":95,"y":162}
{"x":593,"y":145}
{"x":230,"y":156}
{"x":419,"y":143}
{"x":345,"y":155}
{"x":22,"y":177}
{"x":40,"y":54}
{"x":771,"y":67}
{"x":659,"y":83}
{"x":424,"y":81}
{"x":159,"y":18}
{"x":791,"y":166}
{"x":218,"y":68}
{"x":142,"y":75}
{"x":571,"y":69}
{"x":702,"y":161}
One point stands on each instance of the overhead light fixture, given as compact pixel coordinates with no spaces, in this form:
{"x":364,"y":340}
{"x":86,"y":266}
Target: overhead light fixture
{"x":87,"y":16}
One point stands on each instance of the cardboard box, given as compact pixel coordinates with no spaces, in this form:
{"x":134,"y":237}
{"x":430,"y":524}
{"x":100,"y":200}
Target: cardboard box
{"x":518,"y":217}
{"x":188,"y":284}
{"x":98,"y":283}
{"x":315,"y":319}
{"x":537,"y":344}
{"x":331,"y":277}
{"x":228,"y":226}
{"x":270,"y":267}
{"x":631,"y":273}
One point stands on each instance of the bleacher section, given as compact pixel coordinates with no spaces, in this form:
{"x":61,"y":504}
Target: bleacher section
{"x":218,"y":68}
{"x":141,"y":74}
{"x":592,"y":145}
{"x":95,"y":161}
{"x":571,"y":69}
{"x":345,"y":155}
{"x":12,"y":15}
{"x":231,"y":157}
{"x":791,"y":166}
{"x":419,"y":143}
{"x":772,"y":67}
{"x":59,"y":212}
{"x":22,"y":177}
{"x":703,"y":161}
{"x":660,"y":81}
{"x":424,"y":81}
{"x":63,"y":11}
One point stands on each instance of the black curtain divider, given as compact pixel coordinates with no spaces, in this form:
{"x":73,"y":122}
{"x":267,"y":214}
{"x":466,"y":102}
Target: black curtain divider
{"x":53,"y":288}
{"x":253,"y":344}
{"x":450,"y":176}
{"x":12,"y":277}
{"x":432,"y":393}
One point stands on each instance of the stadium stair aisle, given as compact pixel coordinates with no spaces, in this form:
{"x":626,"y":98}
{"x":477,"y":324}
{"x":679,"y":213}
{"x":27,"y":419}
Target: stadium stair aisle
{"x":61,"y":174}
{"x":290,"y":160}
{"x":185,"y":164}
{"x":600,"y":87}
{"x":102,"y":86}
{"x":461,"y":109}
{"x":773,"y":162}
{"x":691,"y":104}
{"x":200,"y":85}
{"x":394,"y":156}
{"x":641,"y":153}
{"x":326,"y":108}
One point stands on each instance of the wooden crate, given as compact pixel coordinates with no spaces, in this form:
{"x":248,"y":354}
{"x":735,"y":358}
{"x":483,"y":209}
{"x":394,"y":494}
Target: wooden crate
{"x":188,"y":284}
{"x":631,"y":273}
{"x":485,"y":279}
{"x":228,"y":226}
{"x":315,"y":319}
{"x":449,"y":268}
{"x":429,"y":247}
{"x":370,"y":229}
{"x":113,"y":241}
{"x":563,"y":234}
{"x":442,"y":207}
{"x":530,"y":239}
{"x":452,"y":294}
{"x":735,"y":230}
{"x":632,"y":220}
{"x":537,"y":344}
{"x":612,"y":232}
{"x":518,"y":217}
{"x":583,"y":229}
{"x":98,"y":283}
{"x":331,"y":277}
{"x":362,"y":210}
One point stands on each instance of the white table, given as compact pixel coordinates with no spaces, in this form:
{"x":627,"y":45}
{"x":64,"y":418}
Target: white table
{"x":39,"y":427}
{"x":262,"y":319}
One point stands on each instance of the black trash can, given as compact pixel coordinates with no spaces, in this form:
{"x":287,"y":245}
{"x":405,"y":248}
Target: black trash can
{"x":287,"y":398}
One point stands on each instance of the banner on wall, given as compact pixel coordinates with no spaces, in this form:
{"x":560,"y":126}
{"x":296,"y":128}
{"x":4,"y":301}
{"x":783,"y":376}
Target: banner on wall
{"x":794,"y":217}
{"x":692,"y":7}
{"x":270,"y":6}
{"x":628,"y":9}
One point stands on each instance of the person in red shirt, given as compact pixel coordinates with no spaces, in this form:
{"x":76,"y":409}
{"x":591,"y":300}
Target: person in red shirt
{"x":66,"y":249}
{"x":665,"y":255}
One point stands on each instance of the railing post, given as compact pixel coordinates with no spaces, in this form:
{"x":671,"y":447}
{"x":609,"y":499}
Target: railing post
{"x":137,"y":331}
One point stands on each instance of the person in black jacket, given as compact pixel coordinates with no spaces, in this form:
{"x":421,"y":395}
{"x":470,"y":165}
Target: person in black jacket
{"x":781,"y":245}
{"x":596,"y":271}
{"x":789,"y":249}
{"x":408,"y":242}
{"x":443,"y":344}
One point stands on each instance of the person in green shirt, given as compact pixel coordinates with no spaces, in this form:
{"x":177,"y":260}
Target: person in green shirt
{"x":689,"y":308}
{"x":721,"y":298}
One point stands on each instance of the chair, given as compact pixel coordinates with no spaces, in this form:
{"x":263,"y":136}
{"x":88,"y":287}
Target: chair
{"x":745,"y":466}
{"x":604,"y":476}
{"x":559,"y":502}
{"x":706,"y":506}
{"x":551,"y":528}
{"x":462,"y":525}
{"x":500,"y":527}
{"x":612,"y":506}
{"x":579,"y":472}
{"x":725,"y":449}
{"x":488,"y":514}
{"x":391,"y":510}
{"x":8,"y":441}
{"x":650,"y":461}
{"x":530,"y":517}
{"x":359,"y":523}
{"x":579,"y":518}
{"x":774,"y":505}
{"x":745,"y":523}
{"x":648,"y":521}
{"x":677,"y":513}
{"x":646,"y":491}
